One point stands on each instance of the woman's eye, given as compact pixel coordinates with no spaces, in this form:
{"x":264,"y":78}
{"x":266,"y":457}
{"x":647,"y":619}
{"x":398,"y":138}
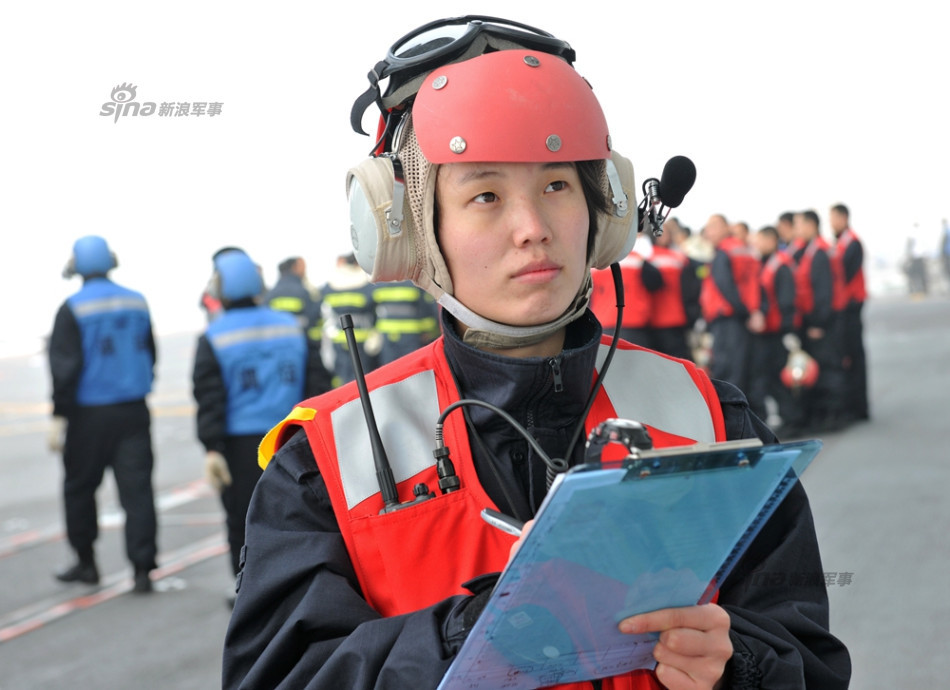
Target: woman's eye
{"x":486,"y":198}
{"x":556,"y":186}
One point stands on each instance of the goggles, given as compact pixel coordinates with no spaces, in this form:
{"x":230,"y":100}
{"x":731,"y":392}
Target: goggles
{"x":412,"y":57}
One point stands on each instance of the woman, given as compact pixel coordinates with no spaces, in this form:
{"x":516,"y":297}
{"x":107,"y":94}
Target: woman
{"x":349,"y":582}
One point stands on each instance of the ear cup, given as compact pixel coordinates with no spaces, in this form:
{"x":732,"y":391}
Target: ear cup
{"x":615,"y":234}
{"x":382,"y":235}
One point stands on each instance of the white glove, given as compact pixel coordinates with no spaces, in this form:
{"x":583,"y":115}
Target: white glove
{"x":57,"y":434}
{"x":216,"y":470}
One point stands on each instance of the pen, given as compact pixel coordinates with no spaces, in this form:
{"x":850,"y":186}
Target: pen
{"x":505,"y":523}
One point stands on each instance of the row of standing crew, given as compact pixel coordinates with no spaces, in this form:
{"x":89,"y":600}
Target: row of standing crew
{"x":751,"y":308}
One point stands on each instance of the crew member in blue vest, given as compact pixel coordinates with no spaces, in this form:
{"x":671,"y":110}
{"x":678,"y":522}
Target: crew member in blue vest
{"x":252,"y":365}
{"x":102,"y":359}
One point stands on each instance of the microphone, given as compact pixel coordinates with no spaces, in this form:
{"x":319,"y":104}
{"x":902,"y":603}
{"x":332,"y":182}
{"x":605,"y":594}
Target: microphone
{"x":678,"y":177}
{"x":659,"y":196}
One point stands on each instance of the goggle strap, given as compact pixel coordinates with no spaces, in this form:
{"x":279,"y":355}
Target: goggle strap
{"x":370,"y":96}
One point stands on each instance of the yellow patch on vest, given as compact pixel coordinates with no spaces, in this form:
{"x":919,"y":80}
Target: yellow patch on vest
{"x":268,"y":446}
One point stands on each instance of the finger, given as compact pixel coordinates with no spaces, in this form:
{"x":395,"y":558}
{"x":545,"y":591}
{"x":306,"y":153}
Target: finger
{"x":694,"y":643}
{"x":706,"y":617}
{"x":673,"y":678}
{"x":524,"y":533}
{"x":687,"y":671}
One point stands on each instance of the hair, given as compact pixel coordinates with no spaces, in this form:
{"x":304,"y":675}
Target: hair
{"x":787,"y":217}
{"x":770,"y":231}
{"x":842,"y":209}
{"x":590,"y":174}
{"x":286,"y":266}
{"x":810,"y":215}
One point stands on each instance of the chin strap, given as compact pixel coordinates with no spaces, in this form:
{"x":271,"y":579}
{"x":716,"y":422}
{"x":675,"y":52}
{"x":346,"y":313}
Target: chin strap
{"x":483,"y":333}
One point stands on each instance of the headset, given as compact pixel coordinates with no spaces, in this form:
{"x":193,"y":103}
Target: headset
{"x":235,"y":277}
{"x":392,"y":191}
{"x":91,"y":256}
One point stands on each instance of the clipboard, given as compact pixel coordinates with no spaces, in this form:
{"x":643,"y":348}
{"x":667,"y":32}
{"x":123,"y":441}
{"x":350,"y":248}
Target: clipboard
{"x":618,"y":538}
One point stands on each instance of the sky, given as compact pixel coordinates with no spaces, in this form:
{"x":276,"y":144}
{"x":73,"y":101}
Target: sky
{"x":781,"y":107}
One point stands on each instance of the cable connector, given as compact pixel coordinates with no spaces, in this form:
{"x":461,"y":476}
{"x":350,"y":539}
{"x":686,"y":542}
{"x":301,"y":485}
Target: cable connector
{"x":448,"y":480}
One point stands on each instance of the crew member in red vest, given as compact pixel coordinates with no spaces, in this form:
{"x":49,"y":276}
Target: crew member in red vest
{"x":769,"y":354}
{"x":350,"y":582}
{"x":640,"y":281}
{"x":848,"y":257}
{"x":731,"y":301}
{"x":674,"y":308}
{"x":815,"y":287}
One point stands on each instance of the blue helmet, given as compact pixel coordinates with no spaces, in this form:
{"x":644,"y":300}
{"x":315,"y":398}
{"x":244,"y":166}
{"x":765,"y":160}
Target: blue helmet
{"x":91,"y":256}
{"x":238,"y":276}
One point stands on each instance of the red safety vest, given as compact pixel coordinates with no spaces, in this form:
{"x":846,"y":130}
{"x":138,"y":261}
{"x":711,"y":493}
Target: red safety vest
{"x":773,"y":317}
{"x":745,"y":273}
{"x":409,"y":559}
{"x":637,"y":300}
{"x":804,"y":292}
{"x":853,"y":290}
{"x":668,"y":310}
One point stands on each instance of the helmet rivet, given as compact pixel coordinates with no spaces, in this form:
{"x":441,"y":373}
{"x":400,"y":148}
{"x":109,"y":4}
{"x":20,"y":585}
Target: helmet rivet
{"x":553,"y":142}
{"x":457,"y":145}
{"x":440,"y":82}
{"x":532,"y":61}
{"x":610,"y":144}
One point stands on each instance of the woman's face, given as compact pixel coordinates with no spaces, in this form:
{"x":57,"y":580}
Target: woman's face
{"x":514,"y":237}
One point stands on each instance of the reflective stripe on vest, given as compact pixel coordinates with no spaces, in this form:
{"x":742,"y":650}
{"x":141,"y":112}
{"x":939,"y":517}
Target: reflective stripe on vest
{"x":402,"y":326}
{"x":252,"y":334}
{"x":402,"y":293}
{"x":341,"y":300}
{"x":291,"y":304}
{"x":109,"y":304}
{"x":407,"y":431}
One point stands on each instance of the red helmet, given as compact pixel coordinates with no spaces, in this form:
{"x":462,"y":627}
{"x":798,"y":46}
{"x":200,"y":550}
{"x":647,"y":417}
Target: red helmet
{"x":511,"y":106}
{"x":801,"y":370}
